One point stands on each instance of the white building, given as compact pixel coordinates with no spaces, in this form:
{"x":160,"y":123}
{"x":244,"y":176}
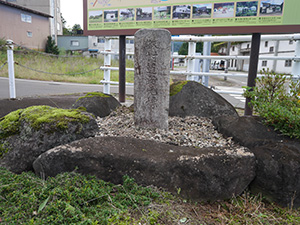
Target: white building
{"x":267,"y":48}
{"x":96,"y":44}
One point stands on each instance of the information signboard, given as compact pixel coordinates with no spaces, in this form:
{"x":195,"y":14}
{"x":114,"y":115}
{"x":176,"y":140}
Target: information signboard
{"x":124,"y":17}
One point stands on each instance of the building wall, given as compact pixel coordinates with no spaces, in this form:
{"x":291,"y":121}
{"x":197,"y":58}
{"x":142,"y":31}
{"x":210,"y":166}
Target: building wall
{"x":267,"y":48}
{"x":73,"y":43}
{"x":18,"y":31}
{"x":97,"y":43}
{"x":50,"y":7}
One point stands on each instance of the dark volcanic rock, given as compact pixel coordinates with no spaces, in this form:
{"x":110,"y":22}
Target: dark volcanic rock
{"x":97,"y":103}
{"x":278,"y":158}
{"x":27,"y":133}
{"x":199,"y":174}
{"x":248,"y":131}
{"x":195,"y":99}
{"x":278,"y":173}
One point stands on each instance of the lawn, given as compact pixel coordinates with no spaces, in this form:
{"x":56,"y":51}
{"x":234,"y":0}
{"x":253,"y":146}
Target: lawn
{"x":60,"y":69}
{"x":71,"y":198}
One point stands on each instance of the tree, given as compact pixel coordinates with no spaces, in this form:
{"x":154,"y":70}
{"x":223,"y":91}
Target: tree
{"x":184,"y":48}
{"x":76,"y":29}
{"x":66,"y":31}
{"x":51,"y":47}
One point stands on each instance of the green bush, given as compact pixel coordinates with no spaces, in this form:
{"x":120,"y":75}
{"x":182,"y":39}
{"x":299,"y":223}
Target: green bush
{"x":51,"y":47}
{"x":277,"y":99}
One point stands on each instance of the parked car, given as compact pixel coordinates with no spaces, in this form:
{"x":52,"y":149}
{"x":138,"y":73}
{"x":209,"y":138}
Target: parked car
{"x":218,"y":65}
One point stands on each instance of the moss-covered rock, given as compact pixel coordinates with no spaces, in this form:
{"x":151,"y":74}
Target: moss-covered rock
{"x":97,"y":103}
{"x":26,"y":133}
{"x":176,"y":87}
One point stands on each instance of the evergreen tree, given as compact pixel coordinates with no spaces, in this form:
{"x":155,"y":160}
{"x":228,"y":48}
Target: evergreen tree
{"x":184,"y":48}
{"x":51,"y":47}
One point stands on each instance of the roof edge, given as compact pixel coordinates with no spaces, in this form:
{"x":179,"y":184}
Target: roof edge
{"x":25,"y":9}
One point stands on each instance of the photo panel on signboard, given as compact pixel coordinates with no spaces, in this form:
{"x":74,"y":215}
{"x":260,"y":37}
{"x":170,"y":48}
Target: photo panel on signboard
{"x":162,"y":13}
{"x":246,"y":8}
{"x":144,"y":13}
{"x":181,"y":12}
{"x":111,"y":15}
{"x":202,"y":11}
{"x":271,"y":7}
{"x":223,"y":10}
{"x":126,"y":14}
{"x":96,"y":16}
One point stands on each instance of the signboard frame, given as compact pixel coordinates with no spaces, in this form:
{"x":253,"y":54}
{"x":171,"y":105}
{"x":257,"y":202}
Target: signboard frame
{"x":276,"y":28}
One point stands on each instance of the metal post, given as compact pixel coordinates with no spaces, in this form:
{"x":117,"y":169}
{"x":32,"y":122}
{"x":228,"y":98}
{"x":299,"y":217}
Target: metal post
{"x":191,"y":62}
{"x":227,"y":61}
{"x":107,"y":63}
{"x":252,"y":74}
{"x":122,"y":68}
{"x":11,"y":70}
{"x":296,"y":63}
{"x":206,"y":62}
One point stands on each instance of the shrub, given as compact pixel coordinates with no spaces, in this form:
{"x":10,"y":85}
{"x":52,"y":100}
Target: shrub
{"x":277,"y":100}
{"x":51,"y":47}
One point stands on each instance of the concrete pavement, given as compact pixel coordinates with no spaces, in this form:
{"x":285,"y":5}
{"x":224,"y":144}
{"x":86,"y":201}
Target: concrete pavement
{"x":33,"y":88}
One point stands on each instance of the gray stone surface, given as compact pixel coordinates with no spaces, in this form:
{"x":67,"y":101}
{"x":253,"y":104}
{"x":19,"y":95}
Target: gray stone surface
{"x":206,"y":174}
{"x":194,"y":99}
{"x":277,"y":157}
{"x":152,"y":77}
{"x":98,"y":105}
{"x":25,"y":145}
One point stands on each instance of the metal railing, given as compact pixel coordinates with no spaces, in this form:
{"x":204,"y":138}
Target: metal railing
{"x":191,"y":73}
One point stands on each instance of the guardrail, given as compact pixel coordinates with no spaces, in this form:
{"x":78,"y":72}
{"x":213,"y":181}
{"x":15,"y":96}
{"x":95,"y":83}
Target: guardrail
{"x":191,"y":73}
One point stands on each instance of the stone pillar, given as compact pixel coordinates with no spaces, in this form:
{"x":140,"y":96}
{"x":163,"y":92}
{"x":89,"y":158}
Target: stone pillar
{"x":152,"y":78}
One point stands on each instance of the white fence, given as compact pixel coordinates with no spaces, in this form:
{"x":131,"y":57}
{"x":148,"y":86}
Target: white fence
{"x":192,"y":73}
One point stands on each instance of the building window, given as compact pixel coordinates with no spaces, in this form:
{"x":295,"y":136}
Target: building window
{"x":271,"y":49}
{"x":291,"y":42}
{"x":248,"y":46}
{"x":233,"y":48}
{"x":58,"y":26}
{"x":129,"y":41}
{"x":75,"y":43}
{"x":101,"y":40}
{"x":288,"y":63}
{"x":26,"y":18}
{"x":29,"y":34}
{"x":266,"y":44}
{"x":264,"y":63}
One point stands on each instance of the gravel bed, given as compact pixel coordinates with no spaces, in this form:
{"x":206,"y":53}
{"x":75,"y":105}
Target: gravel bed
{"x":189,"y":131}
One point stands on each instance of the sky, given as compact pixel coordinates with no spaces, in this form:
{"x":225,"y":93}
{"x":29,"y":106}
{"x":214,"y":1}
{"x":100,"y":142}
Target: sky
{"x":72,"y":12}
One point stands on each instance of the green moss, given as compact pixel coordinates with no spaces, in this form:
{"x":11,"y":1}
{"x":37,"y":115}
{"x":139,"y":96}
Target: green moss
{"x":10,"y":124}
{"x":36,"y":116}
{"x":3,"y":149}
{"x":94,"y":94}
{"x":176,"y":87}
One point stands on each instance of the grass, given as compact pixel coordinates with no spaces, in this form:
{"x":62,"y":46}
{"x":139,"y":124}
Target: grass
{"x":60,"y":65}
{"x":71,"y":198}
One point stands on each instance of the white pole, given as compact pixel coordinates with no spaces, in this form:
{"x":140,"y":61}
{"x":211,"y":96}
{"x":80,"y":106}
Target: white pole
{"x":191,"y":61}
{"x":206,"y":62}
{"x":296,"y":63}
{"x":11,"y":70}
{"x":107,"y":63}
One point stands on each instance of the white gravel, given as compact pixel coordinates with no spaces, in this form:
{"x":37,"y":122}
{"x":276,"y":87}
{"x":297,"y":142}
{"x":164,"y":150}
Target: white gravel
{"x":189,"y":131}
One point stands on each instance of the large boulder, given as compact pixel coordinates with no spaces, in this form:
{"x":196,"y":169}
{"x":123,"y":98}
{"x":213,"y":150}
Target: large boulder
{"x":200,"y":174}
{"x":97,"y":103}
{"x":277,"y":156}
{"x":27,"y":133}
{"x":248,"y":131}
{"x":189,"y":98}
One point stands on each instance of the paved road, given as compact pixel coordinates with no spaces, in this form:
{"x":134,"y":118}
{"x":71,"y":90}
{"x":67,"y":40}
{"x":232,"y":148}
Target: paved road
{"x":29,"y":88}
